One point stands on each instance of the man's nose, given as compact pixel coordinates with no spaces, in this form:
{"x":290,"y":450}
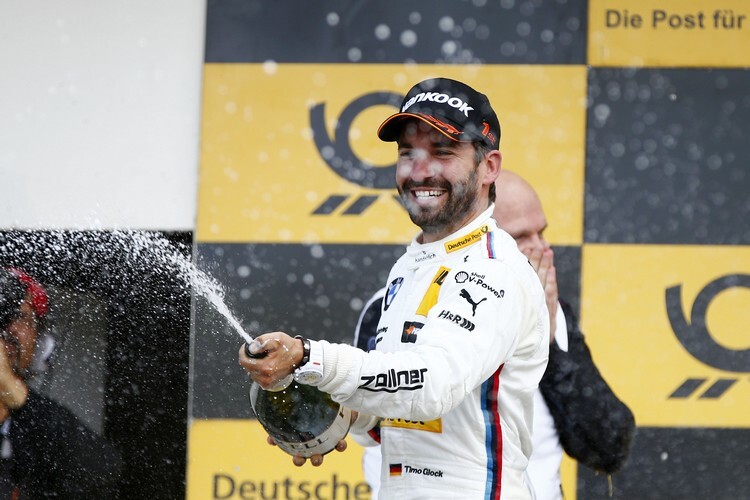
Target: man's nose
{"x":423,"y":168}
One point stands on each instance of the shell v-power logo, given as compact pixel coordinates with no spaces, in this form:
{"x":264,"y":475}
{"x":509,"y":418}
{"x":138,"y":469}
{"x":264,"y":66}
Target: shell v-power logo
{"x":695,"y":337}
{"x":338,"y":155}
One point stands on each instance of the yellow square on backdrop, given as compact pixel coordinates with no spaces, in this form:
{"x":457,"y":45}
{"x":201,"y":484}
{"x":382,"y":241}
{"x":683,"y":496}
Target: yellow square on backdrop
{"x":669,"y":33}
{"x":275,"y":168}
{"x":668,"y":329}
{"x":231,"y":459}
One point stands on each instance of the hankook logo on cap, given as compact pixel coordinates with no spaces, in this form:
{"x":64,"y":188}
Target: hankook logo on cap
{"x":439,"y":98}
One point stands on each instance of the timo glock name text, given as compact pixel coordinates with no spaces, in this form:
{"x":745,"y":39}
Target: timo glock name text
{"x":422,"y":472}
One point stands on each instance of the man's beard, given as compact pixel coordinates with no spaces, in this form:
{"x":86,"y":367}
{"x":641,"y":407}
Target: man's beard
{"x":461,"y":197}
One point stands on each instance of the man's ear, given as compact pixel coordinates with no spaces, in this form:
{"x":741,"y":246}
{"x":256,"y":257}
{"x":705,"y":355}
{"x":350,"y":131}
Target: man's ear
{"x":494,"y":161}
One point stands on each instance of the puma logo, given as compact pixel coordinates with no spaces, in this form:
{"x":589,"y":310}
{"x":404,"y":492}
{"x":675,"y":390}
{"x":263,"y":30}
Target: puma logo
{"x":468,"y":298}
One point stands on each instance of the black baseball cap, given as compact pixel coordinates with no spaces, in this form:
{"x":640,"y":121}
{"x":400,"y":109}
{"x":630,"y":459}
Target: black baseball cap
{"x":452,"y":107}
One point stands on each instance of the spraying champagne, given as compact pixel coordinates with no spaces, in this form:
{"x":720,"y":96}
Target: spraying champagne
{"x":302,"y":420}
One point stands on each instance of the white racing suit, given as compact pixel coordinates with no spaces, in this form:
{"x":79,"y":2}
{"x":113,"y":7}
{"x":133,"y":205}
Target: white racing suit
{"x":461,"y":346}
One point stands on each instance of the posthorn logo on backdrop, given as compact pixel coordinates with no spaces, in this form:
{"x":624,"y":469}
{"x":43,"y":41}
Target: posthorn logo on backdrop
{"x":338,"y":154}
{"x":694,"y":336}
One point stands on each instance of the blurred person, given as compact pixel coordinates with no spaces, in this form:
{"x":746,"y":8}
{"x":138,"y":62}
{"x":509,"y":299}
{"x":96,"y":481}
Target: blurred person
{"x":464,"y":336}
{"x":46,"y":451}
{"x":574,"y":408}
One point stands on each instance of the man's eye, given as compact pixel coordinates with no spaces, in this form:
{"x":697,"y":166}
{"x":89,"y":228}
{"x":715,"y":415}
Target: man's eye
{"x":443,"y":152}
{"x":406,"y":153}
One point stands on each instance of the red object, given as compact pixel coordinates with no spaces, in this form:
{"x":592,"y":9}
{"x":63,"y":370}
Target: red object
{"x":39,"y":299}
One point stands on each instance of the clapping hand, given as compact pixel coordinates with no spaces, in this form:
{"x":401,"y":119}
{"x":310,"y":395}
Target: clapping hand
{"x":544,"y":265}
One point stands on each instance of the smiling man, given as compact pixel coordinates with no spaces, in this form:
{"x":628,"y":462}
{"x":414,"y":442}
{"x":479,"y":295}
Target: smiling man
{"x":464,"y":332}
{"x":438,"y":190}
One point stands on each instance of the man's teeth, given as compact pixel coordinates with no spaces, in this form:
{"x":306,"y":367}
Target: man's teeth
{"x":427,"y":194}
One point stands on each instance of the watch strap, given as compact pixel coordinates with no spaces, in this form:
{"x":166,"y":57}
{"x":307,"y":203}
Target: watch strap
{"x":305,"y":350}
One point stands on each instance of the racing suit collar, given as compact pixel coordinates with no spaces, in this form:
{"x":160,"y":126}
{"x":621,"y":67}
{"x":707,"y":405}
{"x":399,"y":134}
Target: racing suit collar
{"x":464,"y":238}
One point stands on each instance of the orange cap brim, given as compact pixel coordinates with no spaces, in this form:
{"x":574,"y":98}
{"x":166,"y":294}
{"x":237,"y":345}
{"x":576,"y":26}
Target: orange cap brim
{"x":390,"y":129}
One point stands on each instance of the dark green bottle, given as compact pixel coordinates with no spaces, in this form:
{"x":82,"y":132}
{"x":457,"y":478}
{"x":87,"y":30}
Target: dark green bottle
{"x":302,"y":420}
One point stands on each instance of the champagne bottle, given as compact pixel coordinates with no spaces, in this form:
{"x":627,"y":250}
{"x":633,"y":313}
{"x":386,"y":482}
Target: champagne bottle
{"x":301,"y":419}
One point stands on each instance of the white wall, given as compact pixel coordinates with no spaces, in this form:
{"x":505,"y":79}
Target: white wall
{"x":99,"y":113}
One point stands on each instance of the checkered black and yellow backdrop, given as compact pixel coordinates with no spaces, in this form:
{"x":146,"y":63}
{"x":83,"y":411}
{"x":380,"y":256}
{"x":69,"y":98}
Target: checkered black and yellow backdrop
{"x":631,"y":119}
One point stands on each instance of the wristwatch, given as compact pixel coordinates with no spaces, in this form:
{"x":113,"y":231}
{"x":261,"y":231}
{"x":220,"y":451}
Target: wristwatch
{"x":305,"y":350}
{"x":310,"y":370}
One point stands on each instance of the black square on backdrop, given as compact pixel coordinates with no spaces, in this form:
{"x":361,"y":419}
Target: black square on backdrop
{"x":668,"y":156}
{"x":373,"y":31}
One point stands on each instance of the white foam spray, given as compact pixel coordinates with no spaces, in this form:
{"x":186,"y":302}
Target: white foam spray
{"x":122,"y":250}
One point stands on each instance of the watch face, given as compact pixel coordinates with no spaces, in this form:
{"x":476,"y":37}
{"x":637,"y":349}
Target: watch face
{"x":308,"y":377}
